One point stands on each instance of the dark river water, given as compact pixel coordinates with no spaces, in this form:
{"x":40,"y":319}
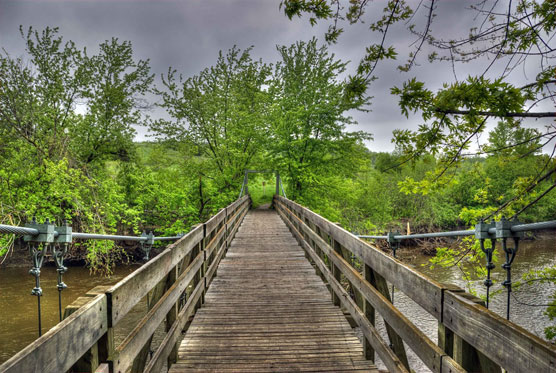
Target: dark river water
{"x":526,"y":307}
{"x":18,"y":309}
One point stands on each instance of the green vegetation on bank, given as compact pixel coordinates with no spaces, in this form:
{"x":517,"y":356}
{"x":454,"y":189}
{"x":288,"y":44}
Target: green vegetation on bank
{"x":67,"y":149}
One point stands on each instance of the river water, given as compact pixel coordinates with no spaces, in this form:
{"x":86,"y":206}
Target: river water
{"x":526,"y":303}
{"x":18,"y":309}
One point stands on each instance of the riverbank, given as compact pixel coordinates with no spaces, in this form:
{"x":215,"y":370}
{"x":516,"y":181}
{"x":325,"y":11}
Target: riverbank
{"x":19,"y":257}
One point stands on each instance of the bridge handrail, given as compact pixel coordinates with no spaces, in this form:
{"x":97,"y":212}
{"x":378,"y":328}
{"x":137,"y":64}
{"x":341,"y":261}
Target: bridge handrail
{"x":85,"y":339}
{"x":495,"y":341}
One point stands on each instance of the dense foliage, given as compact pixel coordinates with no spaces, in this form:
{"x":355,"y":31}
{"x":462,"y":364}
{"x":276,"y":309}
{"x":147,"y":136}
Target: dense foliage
{"x":67,"y":149}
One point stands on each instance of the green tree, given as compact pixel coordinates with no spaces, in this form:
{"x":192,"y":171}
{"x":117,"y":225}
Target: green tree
{"x":222,"y":114}
{"x":504,"y":36}
{"x":37,"y":97}
{"x":309,"y":142}
{"x":114,"y":96}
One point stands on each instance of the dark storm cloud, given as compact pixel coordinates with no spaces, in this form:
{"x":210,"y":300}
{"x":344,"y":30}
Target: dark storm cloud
{"x":187,"y":35}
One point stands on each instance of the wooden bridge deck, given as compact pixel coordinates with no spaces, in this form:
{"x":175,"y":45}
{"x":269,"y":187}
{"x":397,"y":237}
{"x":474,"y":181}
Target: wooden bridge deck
{"x":267,"y":310}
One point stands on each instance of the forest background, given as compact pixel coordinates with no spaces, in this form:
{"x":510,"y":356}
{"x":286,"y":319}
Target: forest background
{"x":83,"y":165}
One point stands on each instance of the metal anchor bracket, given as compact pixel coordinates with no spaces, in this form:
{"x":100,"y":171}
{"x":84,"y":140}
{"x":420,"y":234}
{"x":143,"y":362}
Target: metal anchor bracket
{"x":503,"y":232}
{"x":147,"y":245}
{"x":393,"y":242}
{"x":482,"y":233}
{"x":37,"y":255}
{"x":46,"y":232}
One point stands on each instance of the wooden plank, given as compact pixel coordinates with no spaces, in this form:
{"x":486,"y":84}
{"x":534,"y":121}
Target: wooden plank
{"x":356,"y":282}
{"x":232,"y":232}
{"x":212,"y":269}
{"x":505,"y":343}
{"x":214,"y":243}
{"x":212,"y":223}
{"x":103,"y":368}
{"x":423,"y":290}
{"x":89,"y":361}
{"x":267,"y":310}
{"x":174,"y":333}
{"x":74,"y":336}
{"x":129,"y":291}
{"x":386,"y":354}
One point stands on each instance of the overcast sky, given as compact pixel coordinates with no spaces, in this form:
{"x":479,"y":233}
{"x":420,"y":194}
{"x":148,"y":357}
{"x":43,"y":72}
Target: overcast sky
{"x":187,"y":35}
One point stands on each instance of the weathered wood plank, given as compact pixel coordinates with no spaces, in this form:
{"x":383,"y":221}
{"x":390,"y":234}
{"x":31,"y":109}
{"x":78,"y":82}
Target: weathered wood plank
{"x":74,"y":336}
{"x":129,"y":291}
{"x":505,"y":343}
{"x":356,"y":283}
{"x":174,"y":333}
{"x":391,"y":361}
{"x":423,"y":290}
{"x":212,"y":223}
{"x":267,"y":310}
{"x":144,"y":330}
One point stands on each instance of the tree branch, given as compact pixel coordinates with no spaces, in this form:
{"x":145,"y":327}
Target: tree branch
{"x":546,"y":114}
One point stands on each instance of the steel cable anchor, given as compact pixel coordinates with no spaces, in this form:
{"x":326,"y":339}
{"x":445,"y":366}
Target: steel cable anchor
{"x":38,"y":248}
{"x":394,"y":244}
{"x":504,"y":231}
{"x":482,"y":233}
{"x":147,"y":244}
{"x":59,"y":252}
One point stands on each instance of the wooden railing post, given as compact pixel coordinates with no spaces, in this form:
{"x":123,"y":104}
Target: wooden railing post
{"x":90,"y":361}
{"x":204,"y":267}
{"x":199,"y":276}
{"x":370,"y":315}
{"x":461,"y":351}
{"x":172,"y":315}
{"x":335,"y":271}
{"x":105,"y":346}
{"x":396,"y":342}
{"x":154,"y":296}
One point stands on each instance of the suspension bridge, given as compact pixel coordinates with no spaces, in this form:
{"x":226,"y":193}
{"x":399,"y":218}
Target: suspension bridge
{"x":280,"y":290}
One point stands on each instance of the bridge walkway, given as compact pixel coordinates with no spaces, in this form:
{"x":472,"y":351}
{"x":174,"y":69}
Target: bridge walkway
{"x":267,"y":310}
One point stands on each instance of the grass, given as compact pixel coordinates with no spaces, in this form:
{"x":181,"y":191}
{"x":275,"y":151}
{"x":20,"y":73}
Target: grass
{"x":261,"y":194}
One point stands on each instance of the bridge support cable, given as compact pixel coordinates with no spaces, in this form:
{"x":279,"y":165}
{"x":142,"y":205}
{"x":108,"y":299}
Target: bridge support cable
{"x":482,"y":234}
{"x":49,"y":239}
{"x":504,"y":232}
{"x":495,"y":231}
{"x":86,"y":335}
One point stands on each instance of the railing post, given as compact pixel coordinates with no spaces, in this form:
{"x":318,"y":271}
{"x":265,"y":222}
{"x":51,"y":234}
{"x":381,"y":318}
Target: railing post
{"x":154,"y":296}
{"x":172,"y":315}
{"x":370,"y":315}
{"x":205,"y":266}
{"x":90,"y":361}
{"x":467,"y":356}
{"x":335,"y":271}
{"x":105,"y":345}
{"x":396,"y":342}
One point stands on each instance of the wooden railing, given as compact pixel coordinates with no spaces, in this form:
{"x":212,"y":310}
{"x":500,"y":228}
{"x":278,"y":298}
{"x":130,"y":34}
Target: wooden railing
{"x":174,"y":283}
{"x":470,"y":337}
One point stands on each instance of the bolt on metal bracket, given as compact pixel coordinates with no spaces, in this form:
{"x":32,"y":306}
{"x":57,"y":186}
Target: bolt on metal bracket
{"x":147,"y":245}
{"x":46,"y":232}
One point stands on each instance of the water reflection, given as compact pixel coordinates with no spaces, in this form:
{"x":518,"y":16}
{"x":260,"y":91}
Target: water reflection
{"x":18,"y":308}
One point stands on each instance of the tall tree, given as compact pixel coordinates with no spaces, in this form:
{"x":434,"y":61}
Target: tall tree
{"x":505,"y":36}
{"x":309,"y":116}
{"x":222,"y":113}
{"x":114,"y":97}
{"x":38,"y":96}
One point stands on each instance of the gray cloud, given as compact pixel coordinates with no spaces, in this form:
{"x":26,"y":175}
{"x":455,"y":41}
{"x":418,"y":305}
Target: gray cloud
{"x":187,"y":35}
